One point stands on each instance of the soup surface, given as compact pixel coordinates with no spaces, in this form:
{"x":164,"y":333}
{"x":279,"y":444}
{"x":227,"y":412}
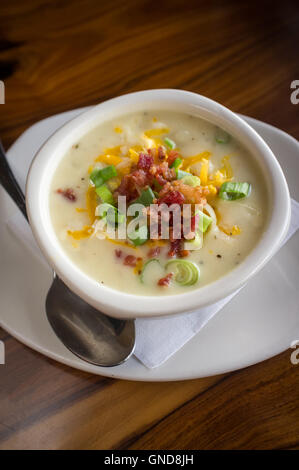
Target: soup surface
{"x":160,"y":158}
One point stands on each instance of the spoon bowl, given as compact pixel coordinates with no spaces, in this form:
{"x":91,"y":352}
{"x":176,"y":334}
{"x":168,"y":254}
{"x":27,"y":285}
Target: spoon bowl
{"x":88,"y":333}
{"x":84,"y":330}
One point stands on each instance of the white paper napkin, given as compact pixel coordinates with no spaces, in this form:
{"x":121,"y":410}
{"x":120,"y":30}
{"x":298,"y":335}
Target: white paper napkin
{"x":157,"y":339}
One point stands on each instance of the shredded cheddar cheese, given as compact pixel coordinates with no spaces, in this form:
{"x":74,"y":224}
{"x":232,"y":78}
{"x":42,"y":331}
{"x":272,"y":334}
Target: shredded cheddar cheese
{"x":203,"y":175}
{"x":86,"y":232}
{"x":235,"y":230}
{"x":157,"y":131}
{"x":109,"y":159}
{"x":212,"y":190}
{"x":119,"y":242}
{"x":138,"y":267}
{"x":91,"y":203}
{"x":151,"y":142}
{"x":133,"y":154}
{"x":189,"y":161}
{"x":81,"y":209}
{"x":227,"y":169}
{"x":116,"y":150}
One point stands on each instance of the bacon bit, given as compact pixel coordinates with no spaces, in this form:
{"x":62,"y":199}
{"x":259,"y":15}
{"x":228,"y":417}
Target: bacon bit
{"x":167,"y":173}
{"x":130,"y":260}
{"x":192,"y":195}
{"x":175,"y":247}
{"x":165,"y":281}
{"x":160,"y":180}
{"x":146,"y":173}
{"x":153,"y":252}
{"x":183,"y":253}
{"x":130,"y":184}
{"x":145,"y":161}
{"x":118,"y":253}
{"x":161,"y":154}
{"x":173,"y":154}
{"x":68,"y":193}
{"x":172,"y":197}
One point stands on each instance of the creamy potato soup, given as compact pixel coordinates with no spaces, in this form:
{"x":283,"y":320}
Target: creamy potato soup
{"x":158,"y":160}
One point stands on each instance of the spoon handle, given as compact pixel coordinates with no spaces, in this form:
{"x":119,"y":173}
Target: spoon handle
{"x":10,"y":183}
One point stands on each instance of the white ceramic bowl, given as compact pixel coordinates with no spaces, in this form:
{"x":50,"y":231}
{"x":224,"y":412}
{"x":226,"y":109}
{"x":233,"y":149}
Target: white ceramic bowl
{"x":120,"y":304}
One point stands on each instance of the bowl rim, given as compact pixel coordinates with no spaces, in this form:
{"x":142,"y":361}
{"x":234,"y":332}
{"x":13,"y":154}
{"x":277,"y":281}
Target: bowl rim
{"x":121,"y":304}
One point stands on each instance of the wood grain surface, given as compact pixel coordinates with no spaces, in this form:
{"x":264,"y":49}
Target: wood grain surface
{"x":59,"y":55}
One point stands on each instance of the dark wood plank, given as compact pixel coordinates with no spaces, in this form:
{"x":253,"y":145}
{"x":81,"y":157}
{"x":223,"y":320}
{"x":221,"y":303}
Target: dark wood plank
{"x":56,"y":56}
{"x":245,"y":410}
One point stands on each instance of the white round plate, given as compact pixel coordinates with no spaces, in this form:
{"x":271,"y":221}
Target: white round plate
{"x":260,"y":322}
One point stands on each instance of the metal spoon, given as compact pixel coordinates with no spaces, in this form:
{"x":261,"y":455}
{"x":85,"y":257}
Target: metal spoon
{"x":88,"y":333}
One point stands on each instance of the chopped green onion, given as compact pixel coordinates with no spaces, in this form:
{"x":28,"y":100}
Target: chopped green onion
{"x":105,"y":194}
{"x":195,"y":243}
{"x":222,"y":137}
{"x":181,"y":174}
{"x":113,"y":215}
{"x":204,"y":221}
{"x":186,"y":273}
{"x":191,"y":180}
{"x":139,"y":236}
{"x":108,"y":172}
{"x":96,"y":178}
{"x":170,"y":143}
{"x":232,"y":191}
{"x":99,"y":176}
{"x":157,"y":186}
{"x":177,"y":163}
{"x":151,"y":265}
{"x":146,"y":197}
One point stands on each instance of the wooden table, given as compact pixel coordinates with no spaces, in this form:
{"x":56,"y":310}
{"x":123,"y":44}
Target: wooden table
{"x":59,"y":55}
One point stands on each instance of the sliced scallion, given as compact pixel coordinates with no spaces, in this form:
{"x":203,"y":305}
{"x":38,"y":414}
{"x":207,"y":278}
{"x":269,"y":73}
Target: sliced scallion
{"x":231,"y":191}
{"x":105,"y":194}
{"x":204,"y":221}
{"x":99,"y":176}
{"x":176,"y":163}
{"x":191,"y":180}
{"x":139,"y":236}
{"x":180,"y":174}
{"x":222,"y":137}
{"x":146,"y":197}
{"x":151,"y":267}
{"x":185,"y":272}
{"x":170,"y":143}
